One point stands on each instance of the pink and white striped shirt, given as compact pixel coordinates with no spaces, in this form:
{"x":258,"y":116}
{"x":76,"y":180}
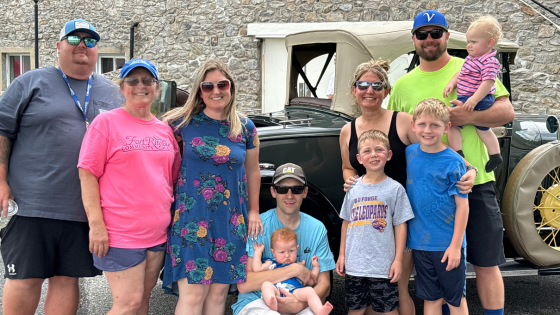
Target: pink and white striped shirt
{"x":475,"y":70}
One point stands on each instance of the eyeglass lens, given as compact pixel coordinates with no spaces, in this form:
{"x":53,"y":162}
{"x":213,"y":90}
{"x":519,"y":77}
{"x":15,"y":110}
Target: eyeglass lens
{"x":135,"y":81}
{"x":209,"y":86}
{"x":375,"y":85}
{"x":296,"y":190}
{"x":75,"y":40}
{"x":435,"y":34}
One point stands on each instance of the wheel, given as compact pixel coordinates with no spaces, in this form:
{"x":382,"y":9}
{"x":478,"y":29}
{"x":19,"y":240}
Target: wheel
{"x":531,"y":206}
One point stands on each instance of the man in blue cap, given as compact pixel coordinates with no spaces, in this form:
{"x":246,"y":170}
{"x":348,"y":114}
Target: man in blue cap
{"x":484,"y":229}
{"x":44,"y":114}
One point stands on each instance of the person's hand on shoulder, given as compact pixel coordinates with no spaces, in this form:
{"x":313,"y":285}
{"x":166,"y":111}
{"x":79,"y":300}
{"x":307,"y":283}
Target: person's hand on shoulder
{"x":349,"y":182}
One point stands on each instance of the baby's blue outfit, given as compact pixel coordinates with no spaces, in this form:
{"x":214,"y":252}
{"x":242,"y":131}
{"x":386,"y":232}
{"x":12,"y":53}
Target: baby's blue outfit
{"x":289,"y":284}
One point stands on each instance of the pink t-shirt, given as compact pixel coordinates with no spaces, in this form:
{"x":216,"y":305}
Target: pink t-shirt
{"x":137,"y":162}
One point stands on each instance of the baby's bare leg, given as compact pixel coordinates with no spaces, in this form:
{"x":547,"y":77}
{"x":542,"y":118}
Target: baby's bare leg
{"x":269,"y":295}
{"x":455,"y":139}
{"x":309,"y":295}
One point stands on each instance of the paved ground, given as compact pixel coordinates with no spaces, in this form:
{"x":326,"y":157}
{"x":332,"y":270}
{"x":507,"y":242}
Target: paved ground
{"x":524,"y":296}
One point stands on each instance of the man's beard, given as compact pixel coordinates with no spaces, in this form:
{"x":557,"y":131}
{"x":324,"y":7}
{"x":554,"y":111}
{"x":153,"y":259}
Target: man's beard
{"x":433,"y":55}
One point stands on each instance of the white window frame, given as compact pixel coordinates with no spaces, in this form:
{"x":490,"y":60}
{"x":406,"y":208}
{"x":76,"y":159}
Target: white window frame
{"x":114,"y":56}
{"x":8,"y":65}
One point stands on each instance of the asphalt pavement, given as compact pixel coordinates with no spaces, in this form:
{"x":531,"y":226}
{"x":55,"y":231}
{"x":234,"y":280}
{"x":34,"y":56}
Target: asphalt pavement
{"x":533,"y":295}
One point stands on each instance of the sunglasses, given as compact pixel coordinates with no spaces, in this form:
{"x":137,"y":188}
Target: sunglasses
{"x":296,"y":190}
{"x":209,"y":86}
{"x":75,"y":40}
{"x":436,"y":34}
{"x":135,"y":81}
{"x":375,"y":85}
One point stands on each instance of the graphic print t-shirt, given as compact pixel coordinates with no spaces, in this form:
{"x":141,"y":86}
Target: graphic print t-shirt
{"x":137,"y":161}
{"x":371,"y":211}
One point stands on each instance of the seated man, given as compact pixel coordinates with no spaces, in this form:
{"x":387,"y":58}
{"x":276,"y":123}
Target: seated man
{"x":289,"y":189}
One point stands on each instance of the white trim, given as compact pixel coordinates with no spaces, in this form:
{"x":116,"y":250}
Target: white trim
{"x":281,"y":30}
{"x":114,"y":56}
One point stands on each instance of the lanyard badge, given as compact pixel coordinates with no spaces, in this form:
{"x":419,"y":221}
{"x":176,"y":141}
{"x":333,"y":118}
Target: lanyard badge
{"x":88,"y":94}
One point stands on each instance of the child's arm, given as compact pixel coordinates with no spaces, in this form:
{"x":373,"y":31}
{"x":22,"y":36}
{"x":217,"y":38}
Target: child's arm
{"x":451,"y":85}
{"x":453,"y":252}
{"x":315,"y":271}
{"x":340,"y":261}
{"x":400,"y":243}
{"x":480,"y":93}
{"x":257,"y":258}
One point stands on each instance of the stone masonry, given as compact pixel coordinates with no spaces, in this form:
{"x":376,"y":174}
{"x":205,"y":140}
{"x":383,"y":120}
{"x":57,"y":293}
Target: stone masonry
{"x":181,"y":35}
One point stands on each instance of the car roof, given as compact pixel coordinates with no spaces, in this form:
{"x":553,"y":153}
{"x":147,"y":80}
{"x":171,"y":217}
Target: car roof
{"x":359,"y":42}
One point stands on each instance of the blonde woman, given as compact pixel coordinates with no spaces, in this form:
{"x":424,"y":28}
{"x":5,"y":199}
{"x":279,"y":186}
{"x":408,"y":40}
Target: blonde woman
{"x":369,"y":87}
{"x":217,"y":194}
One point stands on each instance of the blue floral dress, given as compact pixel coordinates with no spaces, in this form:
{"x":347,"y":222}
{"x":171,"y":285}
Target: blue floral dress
{"x":206,"y":241}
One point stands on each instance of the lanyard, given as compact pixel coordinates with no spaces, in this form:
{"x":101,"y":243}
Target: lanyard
{"x":88,"y":92}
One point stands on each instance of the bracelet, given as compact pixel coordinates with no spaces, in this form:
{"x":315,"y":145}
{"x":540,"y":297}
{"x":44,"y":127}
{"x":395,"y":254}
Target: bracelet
{"x":471,"y":167}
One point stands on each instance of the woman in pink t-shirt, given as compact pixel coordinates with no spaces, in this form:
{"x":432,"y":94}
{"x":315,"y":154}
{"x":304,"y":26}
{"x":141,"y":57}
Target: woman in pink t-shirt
{"x":128,"y":164}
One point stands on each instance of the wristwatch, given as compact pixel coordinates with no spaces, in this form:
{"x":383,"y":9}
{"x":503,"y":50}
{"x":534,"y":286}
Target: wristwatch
{"x":470,"y":167}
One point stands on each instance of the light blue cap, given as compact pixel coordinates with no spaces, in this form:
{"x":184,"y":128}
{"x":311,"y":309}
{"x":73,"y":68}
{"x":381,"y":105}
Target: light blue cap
{"x":78,"y":25}
{"x":134,"y":63}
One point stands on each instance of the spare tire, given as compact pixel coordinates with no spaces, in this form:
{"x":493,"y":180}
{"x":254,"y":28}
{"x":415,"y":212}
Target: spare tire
{"x":531,"y":206}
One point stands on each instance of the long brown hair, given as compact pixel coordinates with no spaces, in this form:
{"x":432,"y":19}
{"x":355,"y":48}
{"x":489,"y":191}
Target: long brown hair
{"x":195,"y":104}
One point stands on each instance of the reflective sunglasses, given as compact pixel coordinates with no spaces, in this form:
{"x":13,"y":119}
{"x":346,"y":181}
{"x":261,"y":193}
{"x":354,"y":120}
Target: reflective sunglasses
{"x":436,"y":34}
{"x":75,"y":40}
{"x":135,"y":81}
{"x":209,"y":86}
{"x":375,"y":85}
{"x":296,"y":190}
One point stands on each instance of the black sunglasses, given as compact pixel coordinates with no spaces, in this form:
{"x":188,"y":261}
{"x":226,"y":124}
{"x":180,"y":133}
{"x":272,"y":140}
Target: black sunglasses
{"x":296,"y":190}
{"x":75,"y":40}
{"x":209,"y":86}
{"x":135,"y":81}
{"x":375,"y":85}
{"x":422,"y":35}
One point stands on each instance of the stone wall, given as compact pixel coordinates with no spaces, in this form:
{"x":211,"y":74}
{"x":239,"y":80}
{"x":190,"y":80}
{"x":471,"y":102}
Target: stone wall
{"x":180,"y":35}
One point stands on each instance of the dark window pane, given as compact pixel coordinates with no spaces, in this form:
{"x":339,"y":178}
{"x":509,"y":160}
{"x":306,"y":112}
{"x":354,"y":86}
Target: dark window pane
{"x":106,"y":65}
{"x":120,"y":62}
{"x":14,"y":67}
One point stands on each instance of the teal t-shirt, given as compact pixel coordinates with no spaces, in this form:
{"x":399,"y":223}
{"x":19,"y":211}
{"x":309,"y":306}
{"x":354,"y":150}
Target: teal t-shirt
{"x":312,"y":241}
{"x":418,"y":85}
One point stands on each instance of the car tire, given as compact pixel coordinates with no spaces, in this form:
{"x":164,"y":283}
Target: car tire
{"x":531,"y":206}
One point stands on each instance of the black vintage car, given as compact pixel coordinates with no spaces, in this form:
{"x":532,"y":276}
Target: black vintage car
{"x":306,"y":132}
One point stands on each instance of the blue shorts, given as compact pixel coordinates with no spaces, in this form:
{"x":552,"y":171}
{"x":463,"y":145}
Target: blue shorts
{"x":433,"y":282}
{"x":118,"y":259}
{"x":485,"y":103}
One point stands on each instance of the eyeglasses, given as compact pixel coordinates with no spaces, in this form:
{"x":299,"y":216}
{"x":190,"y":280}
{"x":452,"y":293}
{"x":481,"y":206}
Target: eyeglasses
{"x":145,"y":81}
{"x":209,"y":86}
{"x":375,"y":85}
{"x":75,"y":40}
{"x":296,"y":190}
{"x":436,"y":34}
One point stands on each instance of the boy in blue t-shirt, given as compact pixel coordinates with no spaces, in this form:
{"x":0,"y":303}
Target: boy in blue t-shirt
{"x":437,"y":232}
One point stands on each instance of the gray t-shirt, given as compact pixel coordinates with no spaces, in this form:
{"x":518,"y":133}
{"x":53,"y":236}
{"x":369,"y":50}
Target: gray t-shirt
{"x":371,"y":212}
{"x":46,"y":129}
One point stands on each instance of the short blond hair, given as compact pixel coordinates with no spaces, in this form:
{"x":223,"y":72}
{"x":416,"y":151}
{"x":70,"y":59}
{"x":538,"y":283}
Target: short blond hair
{"x":489,"y":25}
{"x":434,"y":107}
{"x":284,"y":235}
{"x":375,"y":135}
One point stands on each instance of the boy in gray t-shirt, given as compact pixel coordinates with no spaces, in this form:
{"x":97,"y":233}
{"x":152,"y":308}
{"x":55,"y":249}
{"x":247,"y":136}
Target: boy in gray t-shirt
{"x":370,"y":251}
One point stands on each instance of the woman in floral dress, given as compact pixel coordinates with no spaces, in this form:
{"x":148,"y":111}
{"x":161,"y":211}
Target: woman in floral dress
{"x":216,"y":198}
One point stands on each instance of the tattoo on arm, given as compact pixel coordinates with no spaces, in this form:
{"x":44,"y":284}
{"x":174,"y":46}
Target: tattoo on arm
{"x":5,"y":148}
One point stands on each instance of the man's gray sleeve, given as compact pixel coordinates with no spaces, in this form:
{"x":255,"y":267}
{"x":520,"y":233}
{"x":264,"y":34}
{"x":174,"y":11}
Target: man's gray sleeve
{"x":12,"y":105}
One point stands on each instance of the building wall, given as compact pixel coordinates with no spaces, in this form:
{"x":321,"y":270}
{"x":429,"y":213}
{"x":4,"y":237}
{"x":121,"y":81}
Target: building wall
{"x":181,"y":35}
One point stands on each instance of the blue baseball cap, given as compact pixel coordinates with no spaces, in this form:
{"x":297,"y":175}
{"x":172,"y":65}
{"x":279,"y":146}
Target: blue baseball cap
{"x":134,"y":63}
{"x":429,"y":18}
{"x":78,"y":25}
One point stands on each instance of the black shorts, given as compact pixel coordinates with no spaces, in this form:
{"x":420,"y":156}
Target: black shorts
{"x":381,"y":294}
{"x":43,"y":248}
{"x":485,"y":233}
{"x":433,"y":282}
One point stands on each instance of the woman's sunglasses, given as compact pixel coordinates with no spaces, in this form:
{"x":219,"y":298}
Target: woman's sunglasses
{"x":375,"y":85}
{"x":436,"y":34}
{"x":296,"y":190}
{"x":135,"y":81}
{"x":209,"y":86}
{"x":75,"y":40}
